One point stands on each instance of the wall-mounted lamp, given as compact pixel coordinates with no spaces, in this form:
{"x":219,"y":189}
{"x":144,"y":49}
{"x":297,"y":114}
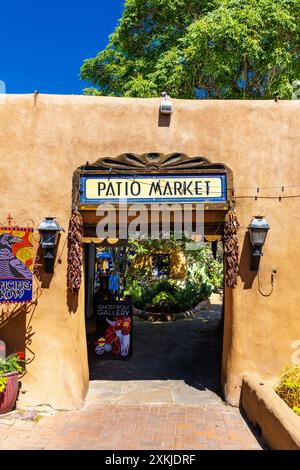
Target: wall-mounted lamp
{"x":49,"y":229}
{"x":258,"y":229}
{"x":166,"y":105}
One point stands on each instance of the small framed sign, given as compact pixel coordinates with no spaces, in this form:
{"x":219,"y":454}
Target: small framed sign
{"x":113,"y":329}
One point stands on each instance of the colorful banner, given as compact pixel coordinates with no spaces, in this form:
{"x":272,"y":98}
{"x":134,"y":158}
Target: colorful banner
{"x":113,"y":330}
{"x":16,"y":264}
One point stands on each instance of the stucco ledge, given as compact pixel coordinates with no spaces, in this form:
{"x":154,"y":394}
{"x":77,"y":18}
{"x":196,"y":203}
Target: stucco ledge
{"x":280,"y":426}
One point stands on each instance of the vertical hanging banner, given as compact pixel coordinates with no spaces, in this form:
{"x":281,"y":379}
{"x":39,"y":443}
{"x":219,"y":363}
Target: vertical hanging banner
{"x":113,"y":329}
{"x":16,"y":264}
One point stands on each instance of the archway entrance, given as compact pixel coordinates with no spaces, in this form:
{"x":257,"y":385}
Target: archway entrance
{"x":176,"y":351}
{"x":188,"y":349}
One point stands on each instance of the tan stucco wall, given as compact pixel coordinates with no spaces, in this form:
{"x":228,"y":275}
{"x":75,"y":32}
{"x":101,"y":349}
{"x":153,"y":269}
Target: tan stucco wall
{"x":42,"y":142}
{"x":178,"y":265}
{"x":279,"y":425}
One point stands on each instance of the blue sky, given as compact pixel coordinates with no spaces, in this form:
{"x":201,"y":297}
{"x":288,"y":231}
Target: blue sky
{"x":43,"y":43}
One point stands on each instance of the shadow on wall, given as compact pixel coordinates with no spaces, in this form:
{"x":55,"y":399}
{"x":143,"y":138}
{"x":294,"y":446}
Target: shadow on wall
{"x":16,"y":328}
{"x":46,"y":278}
{"x":72,"y":302}
{"x":247,"y":276}
{"x":164,"y":120}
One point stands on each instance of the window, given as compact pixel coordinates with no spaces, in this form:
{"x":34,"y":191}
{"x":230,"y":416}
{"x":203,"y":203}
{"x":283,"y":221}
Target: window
{"x":160,"y":266}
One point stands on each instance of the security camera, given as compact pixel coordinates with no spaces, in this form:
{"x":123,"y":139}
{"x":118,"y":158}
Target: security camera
{"x":166,"y":105}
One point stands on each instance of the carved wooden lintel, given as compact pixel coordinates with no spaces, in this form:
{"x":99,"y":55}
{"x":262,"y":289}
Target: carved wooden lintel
{"x":153,"y":163}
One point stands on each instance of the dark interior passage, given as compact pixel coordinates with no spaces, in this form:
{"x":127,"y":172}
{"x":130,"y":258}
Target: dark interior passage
{"x":186,"y":350}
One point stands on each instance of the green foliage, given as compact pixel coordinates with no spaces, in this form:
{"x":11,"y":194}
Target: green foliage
{"x":215,"y":274}
{"x":142,"y":247}
{"x":179,"y":296}
{"x":289,"y":387}
{"x":135,"y":290}
{"x":12,"y":363}
{"x":163,"y":298}
{"x":190,"y":294}
{"x":210,"y":268}
{"x":3,"y":382}
{"x":146,"y":293}
{"x":297,"y":410}
{"x":204,"y":275}
{"x":213,"y":49}
{"x":168,"y":286}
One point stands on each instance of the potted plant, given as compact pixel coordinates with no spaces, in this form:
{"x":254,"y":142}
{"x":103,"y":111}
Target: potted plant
{"x":10,"y":368}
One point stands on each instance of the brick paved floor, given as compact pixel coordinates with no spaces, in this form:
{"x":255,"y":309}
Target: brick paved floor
{"x":166,"y":397}
{"x":121,"y":427}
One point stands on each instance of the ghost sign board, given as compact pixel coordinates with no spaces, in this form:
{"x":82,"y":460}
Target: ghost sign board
{"x":113,"y":329}
{"x":16,"y":264}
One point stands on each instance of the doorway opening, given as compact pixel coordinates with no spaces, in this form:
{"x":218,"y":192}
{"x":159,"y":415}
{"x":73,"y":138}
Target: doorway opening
{"x":175,"y":340}
{"x":177,"y":304}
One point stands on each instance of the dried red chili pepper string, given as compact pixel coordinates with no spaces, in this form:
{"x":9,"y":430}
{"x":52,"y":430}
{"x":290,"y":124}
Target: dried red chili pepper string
{"x":75,"y":252}
{"x":231,"y":248}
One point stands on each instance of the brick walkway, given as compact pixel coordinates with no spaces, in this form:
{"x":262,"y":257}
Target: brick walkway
{"x":121,"y":427}
{"x":166,"y":397}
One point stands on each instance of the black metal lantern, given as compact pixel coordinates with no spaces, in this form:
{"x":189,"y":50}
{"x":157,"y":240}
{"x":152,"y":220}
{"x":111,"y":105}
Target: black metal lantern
{"x":49,"y":229}
{"x":258,"y":229}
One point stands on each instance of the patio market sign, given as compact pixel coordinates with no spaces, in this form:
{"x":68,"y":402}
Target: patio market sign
{"x":152,"y":188}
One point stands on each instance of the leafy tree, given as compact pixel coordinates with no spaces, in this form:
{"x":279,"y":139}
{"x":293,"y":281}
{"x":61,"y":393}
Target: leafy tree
{"x":244,"y":49}
{"x":200,"y":49}
{"x":147,"y":30}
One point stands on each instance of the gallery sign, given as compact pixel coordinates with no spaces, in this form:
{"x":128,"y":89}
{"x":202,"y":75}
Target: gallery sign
{"x":113,"y":329}
{"x":16,"y":264}
{"x":152,"y":188}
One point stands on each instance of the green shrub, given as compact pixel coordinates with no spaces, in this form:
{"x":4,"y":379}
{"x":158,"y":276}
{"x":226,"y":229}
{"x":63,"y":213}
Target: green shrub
{"x":135,"y":290}
{"x":215,"y":274}
{"x":212,"y":268}
{"x":289,"y":387}
{"x":204,"y":275}
{"x":179,"y":296}
{"x":296,"y":409}
{"x":163,"y":285}
{"x":193,"y":290}
{"x":186,"y":297}
{"x":163,"y":298}
{"x":12,"y":363}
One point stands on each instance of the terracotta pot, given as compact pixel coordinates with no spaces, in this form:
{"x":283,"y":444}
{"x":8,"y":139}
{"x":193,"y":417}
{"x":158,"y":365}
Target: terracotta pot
{"x":9,"y":396}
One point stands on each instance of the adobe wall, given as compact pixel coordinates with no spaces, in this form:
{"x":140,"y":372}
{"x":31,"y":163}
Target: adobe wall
{"x":43,"y":141}
{"x":177,"y":262}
